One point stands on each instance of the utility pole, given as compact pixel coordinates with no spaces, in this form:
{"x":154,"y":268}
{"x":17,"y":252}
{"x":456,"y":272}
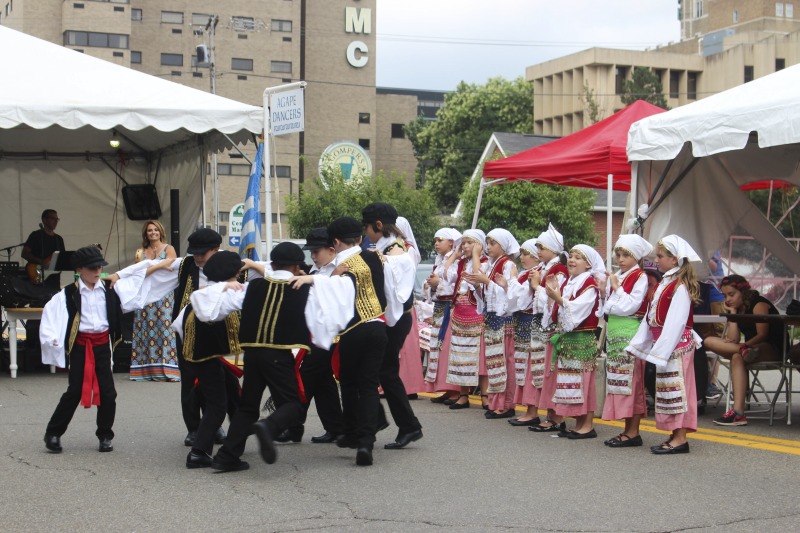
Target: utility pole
{"x":211,"y":27}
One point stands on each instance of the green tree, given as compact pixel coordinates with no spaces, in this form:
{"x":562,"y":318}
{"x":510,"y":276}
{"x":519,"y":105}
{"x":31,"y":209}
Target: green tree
{"x":644,"y":85}
{"x":453,"y":144}
{"x":319,"y":205}
{"x":525,"y":209}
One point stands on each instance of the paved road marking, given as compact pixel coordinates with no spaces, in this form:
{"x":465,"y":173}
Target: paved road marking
{"x":757,"y":442}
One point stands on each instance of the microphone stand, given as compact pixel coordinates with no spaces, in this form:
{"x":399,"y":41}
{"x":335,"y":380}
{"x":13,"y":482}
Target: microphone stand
{"x":8,"y":250}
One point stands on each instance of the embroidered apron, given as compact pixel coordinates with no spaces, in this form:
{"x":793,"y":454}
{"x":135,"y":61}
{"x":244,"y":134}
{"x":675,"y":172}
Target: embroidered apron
{"x":522,"y":344}
{"x":576,"y":353}
{"x":670,"y":385}
{"x":441,"y":321}
{"x":494,"y":333}
{"x":465,"y":343}
{"x":619,"y":363}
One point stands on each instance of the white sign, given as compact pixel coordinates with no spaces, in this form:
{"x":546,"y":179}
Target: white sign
{"x":287,"y":112}
{"x":235,"y":220}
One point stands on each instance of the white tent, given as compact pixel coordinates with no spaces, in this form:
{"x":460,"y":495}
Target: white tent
{"x":58,"y":108}
{"x":693,"y":162}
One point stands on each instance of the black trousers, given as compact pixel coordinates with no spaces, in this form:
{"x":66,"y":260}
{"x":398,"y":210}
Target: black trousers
{"x":393,"y":389}
{"x":190,"y":404}
{"x":263,"y":367}
{"x":72,"y":398}
{"x":320,"y":385}
{"x":360,"y":355}
{"x":211,"y":382}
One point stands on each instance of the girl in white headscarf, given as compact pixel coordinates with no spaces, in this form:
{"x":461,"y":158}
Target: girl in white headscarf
{"x":574,"y":307}
{"x":666,"y":339}
{"x":444,"y":242}
{"x":527,"y":325}
{"x":498,"y":337}
{"x":625,"y":305}
{"x":466,"y":348}
{"x":550,"y":245}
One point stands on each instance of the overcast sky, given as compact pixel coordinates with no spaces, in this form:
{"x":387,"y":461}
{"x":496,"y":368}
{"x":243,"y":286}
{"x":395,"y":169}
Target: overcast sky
{"x":435,"y":44}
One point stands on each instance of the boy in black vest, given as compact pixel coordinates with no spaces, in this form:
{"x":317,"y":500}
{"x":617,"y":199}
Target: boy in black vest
{"x":204,"y":345}
{"x":83,"y":320}
{"x":272,"y":324}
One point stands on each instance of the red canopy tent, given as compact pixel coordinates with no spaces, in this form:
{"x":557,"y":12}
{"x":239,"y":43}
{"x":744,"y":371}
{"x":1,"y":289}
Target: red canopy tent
{"x":594,"y":157}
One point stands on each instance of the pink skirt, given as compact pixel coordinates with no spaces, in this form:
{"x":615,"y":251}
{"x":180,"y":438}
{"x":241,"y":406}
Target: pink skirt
{"x":687,"y":420}
{"x":549,"y":383}
{"x":411,"y":359}
{"x":527,"y":394}
{"x":589,"y":398}
{"x":441,"y":384}
{"x":619,"y":406}
{"x":505,"y":400}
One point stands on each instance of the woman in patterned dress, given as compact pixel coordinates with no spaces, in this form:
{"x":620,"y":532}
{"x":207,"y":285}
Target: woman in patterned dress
{"x":154,"y":357}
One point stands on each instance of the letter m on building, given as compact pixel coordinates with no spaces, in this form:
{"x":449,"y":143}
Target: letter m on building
{"x":358,"y":20}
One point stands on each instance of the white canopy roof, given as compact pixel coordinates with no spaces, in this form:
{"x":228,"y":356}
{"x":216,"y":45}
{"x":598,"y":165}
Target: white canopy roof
{"x":50,"y":88}
{"x":694,"y":161}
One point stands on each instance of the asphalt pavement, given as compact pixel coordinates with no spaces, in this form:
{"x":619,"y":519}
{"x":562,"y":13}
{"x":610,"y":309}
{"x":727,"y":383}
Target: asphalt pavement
{"x":467,"y":473}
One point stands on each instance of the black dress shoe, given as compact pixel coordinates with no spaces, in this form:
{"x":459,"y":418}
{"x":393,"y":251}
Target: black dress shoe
{"x":517,"y":422}
{"x":105,"y":445}
{"x":574,"y":435}
{"x":440,"y":399}
{"x":53,"y":443}
{"x":294,"y":434}
{"x":262,"y":431}
{"x":346,"y":441}
{"x":219,"y":436}
{"x":491,"y":415}
{"x":364,"y":457}
{"x":413,"y":396}
{"x":404,"y":439}
{"x":197,"y":459}
{"x":455,"y":405}
{"x":325,"y":438}
{"x":668,"y":449}
{"x":230,"y":466}
{"x":190,"y":438}
{"x":553,"y":427}
{"x":620,"y":442}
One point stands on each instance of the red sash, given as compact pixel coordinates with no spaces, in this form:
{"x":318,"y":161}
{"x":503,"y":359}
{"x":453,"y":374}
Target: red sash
{"x":90,"y":391}
{"x":301,"y":390}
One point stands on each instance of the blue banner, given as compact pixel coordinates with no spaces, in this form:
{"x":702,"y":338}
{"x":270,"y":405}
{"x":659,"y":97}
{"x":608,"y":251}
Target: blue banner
{"x":250,"y":245}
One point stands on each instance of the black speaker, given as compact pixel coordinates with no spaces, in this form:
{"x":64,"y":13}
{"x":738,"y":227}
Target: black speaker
{"x":141,"y":202}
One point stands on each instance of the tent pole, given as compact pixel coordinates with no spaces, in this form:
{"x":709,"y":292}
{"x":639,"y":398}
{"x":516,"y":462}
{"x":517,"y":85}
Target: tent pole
{"x":478,"y":205}
{"x":609,"y":220}
{"x":203,"y":182}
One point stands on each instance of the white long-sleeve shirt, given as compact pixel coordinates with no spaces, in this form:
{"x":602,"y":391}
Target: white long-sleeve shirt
{"x":573,"y":312}
{"x":492,"y":298}
{"x":541,"y":298}
{"x":445,"y":288}
{"x":621,"y":303}
{"x":658,"y":352}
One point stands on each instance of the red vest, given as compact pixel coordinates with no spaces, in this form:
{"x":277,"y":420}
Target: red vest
{"x":461,"y":269}
{"x":665,"y":300}
{"x":592,"y":320}
{"x":627,"y":285}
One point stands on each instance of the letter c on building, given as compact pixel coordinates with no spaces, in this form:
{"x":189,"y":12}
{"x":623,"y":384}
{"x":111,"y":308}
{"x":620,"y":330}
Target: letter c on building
{"x":357,"y":46}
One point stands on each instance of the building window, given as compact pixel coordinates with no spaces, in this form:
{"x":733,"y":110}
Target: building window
{"x":363,"y":118}
{"x":691,"y":85}
{"x":778,"y":9}
{"x":136,"y":15}
{"x":619,"y":81}
{"x":233,"y":169}
{"x":119,"y":8}
{"x":173,"y":60}
{"x":789,"y":11}
{"x":243,"y":23}
{"x":75,"y":6}
{"x":281,"y":66}
{"x":364,"y":143}
{"x":224,"y":216}
{"x":100,"y":40}
{"x":287,"y":39}
{"x":241,"y":77}
{"x":197,"y":74}
{"x":241,"y":64}
{"x":136,"y":57}
{"x":281,"y":25}
{"x":674,"y":84}
{"x":748,"y":73}
{"x":736,"y":16}
{"x":171,"y":17}
{"x":282,"y":171}
{"x":780,"y":64}
{"x":242,"y":36}
{"x":177,"y":30}
{"x":200,"y":19}
{"x":118,"y":54}
{"x":698,"y":9}
{"x":398,"y":132}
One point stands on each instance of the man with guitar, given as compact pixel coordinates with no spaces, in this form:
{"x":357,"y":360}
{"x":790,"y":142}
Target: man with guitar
{"x":39,"y":248}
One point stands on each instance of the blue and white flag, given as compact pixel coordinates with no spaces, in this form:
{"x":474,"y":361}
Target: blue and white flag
{"x":251,"y":222}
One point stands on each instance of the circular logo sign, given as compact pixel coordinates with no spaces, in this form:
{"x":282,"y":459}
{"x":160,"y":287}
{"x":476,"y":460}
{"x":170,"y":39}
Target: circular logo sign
{"x":347,"y":158}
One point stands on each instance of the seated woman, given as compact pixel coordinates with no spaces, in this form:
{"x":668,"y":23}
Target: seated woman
{"x":762,"y":341}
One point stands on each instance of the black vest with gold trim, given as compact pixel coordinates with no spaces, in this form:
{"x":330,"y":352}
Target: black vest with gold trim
{"x":207,"y":340}
{"x":273,"y":315}
{"x":113,"y":314}
{"x":366,"y":272}
{"x":188,"y":282}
